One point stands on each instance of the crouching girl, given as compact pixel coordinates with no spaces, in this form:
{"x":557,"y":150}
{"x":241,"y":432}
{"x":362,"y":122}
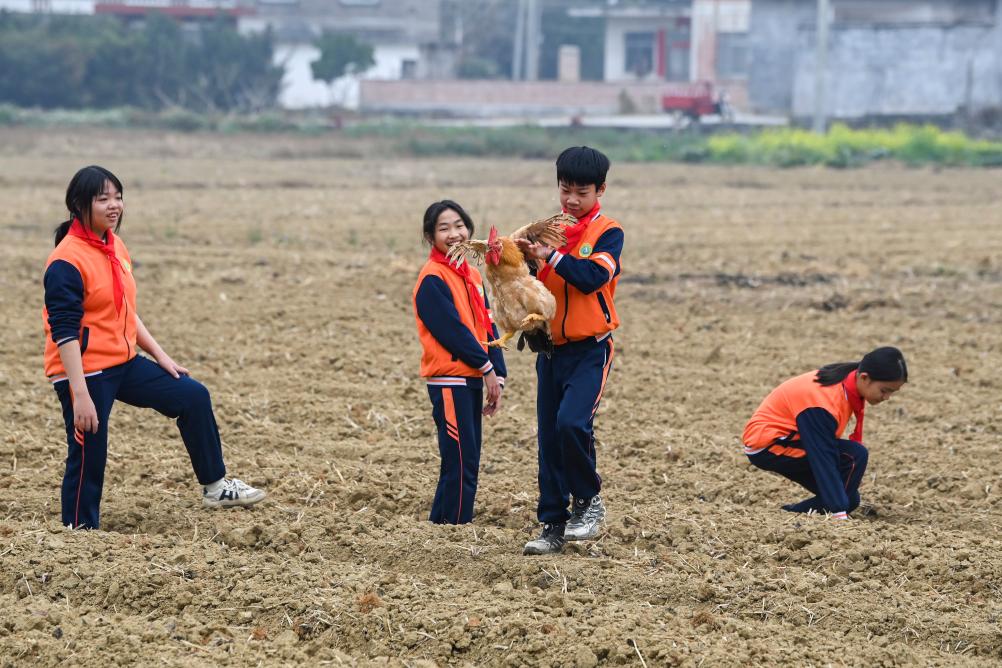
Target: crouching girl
{"x":797,"y":430}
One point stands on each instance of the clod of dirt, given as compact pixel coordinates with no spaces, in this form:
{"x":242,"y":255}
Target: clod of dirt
{"x":835,"y":302}
{"x":795,"y":541}
{"x":369,"y":601}
{"x":714,"y":355}
{"x":817,"y":550}
{"x":584,"y":658}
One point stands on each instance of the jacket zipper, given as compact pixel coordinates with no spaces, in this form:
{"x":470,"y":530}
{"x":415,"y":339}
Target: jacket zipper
{"x":469,"y":302}
{"x":567,"y":307}
{"x":125,"y":328}
{"x":605,"y":307}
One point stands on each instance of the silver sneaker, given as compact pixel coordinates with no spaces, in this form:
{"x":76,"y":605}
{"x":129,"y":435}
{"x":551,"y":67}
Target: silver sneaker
{"x":551,"y":541}
{"x":586,"y":520}
{"x":232,"y":492}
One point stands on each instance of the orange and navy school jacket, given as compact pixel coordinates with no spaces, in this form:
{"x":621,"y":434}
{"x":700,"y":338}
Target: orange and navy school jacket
{"x":584,"y":283}
{"x":800,"y":413}
{"x":80,"y":306}
{"x":451,"y":337}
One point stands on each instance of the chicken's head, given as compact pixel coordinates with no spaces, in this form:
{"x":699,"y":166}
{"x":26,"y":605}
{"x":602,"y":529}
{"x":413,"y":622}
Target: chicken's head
{"x":494,"y":247}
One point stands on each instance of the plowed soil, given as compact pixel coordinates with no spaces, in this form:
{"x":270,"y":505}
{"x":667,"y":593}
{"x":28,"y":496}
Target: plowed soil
{"x":280,"y":272}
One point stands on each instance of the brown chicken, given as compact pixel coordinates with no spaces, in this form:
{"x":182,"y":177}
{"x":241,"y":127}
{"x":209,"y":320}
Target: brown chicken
{"x":520,"y":303}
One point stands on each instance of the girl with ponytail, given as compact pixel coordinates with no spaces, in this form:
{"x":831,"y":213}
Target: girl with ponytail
{"x":92,"y":337}
{"x":797,"y":430}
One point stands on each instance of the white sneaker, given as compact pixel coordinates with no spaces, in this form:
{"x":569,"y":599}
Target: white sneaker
{"x":586,"y":520}
{"x":231,"y":492}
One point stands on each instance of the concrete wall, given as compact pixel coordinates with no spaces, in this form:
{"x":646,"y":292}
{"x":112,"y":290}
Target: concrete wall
{"x":922,"y":71}
{"x":887,"y":68}
{"x":774,"y":37}
{"x":506,"y":98}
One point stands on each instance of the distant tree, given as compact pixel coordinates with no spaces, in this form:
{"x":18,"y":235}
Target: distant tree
{"x":159,"y":67}
{"x":236,"y":71}
{"x":92,"y":62}
{"x":340,"y":55}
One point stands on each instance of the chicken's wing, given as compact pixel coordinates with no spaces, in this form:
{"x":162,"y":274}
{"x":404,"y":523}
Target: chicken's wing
{"x":549,"y":231}
{"x":472,"y":249}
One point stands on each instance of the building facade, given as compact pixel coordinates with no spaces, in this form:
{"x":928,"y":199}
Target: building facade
{"x":885,"y":57}
{"x":677,"y":41}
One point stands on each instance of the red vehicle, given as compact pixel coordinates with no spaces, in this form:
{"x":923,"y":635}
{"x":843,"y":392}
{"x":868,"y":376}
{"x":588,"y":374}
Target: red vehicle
{"x":693,"y":100}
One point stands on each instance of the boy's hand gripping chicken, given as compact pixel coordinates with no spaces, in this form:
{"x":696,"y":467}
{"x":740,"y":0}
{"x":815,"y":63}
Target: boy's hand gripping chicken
{"x":520,"y":302}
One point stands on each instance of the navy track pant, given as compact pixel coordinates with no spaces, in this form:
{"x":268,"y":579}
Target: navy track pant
{"x":143,"y":383}
{"x":570,"y":389}
{"x":832,"y":476}
{"x":458,"y":415}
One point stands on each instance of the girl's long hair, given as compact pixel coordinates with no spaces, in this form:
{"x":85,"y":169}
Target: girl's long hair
{"x":883,"y":364}
{"x":85,"y":185}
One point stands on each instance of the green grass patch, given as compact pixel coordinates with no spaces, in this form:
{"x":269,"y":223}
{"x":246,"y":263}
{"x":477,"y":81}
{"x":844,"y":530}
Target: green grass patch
{"x":840,"y":147}
{"x":846,"y":147}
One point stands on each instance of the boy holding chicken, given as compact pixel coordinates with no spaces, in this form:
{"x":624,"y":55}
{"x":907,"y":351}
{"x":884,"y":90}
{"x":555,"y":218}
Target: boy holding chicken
{"x":582,"y":276}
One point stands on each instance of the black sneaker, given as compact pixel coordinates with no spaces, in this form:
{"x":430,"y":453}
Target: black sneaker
{"x":551,"y":541}
{"x":587,"y":516}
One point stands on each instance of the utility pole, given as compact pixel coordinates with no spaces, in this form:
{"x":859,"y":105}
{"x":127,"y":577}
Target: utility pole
{"x":532,"y":35}
{"x":518,"y":48}
{"x":820,"y":90}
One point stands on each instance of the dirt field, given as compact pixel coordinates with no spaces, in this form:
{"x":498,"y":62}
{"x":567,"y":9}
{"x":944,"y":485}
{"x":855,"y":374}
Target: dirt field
{"x":281,"y":273}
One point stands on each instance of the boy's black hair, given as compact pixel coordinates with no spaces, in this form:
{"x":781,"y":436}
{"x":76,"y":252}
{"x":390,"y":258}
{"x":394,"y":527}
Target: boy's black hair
{"x":582,"y":166}
{"x":85,"y":185}
{"x":883,"y":364}
{"x":435,"y":210}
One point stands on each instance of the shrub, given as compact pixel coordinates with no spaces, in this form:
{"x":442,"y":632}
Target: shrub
{"x":182,"y":120}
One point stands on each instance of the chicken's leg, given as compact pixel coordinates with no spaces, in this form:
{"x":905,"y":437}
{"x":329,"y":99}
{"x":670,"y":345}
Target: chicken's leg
{"x":503,"y":341}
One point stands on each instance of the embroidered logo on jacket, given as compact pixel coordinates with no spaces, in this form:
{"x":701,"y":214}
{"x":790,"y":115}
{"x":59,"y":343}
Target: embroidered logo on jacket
{"x":585,"y":250}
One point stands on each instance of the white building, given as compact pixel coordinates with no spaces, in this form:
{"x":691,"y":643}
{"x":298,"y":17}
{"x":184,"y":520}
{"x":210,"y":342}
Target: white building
{"x":405,"y":35}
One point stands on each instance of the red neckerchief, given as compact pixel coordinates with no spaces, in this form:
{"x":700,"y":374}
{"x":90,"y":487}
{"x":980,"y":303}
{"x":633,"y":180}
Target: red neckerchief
{"x":463,"y":271}
{"x":108,"y":248}
{"x":856,"y":403}
{"x":573,"y":234}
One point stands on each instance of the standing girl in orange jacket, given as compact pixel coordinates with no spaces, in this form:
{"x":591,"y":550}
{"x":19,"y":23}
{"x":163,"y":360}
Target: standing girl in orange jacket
{"x":454,"y":324}
{"x":92,"y":333}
